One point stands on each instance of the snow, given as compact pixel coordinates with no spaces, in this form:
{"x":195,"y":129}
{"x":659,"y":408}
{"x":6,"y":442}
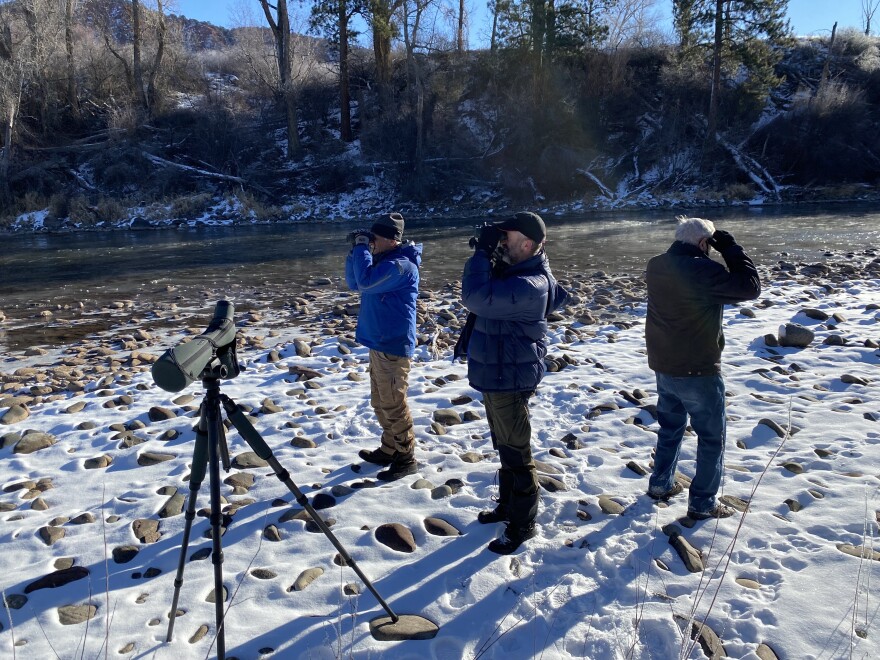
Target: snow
{"x":584,"y":588}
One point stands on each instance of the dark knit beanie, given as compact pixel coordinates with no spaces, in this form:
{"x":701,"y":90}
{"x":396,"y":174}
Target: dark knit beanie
{"x":390,"y":226}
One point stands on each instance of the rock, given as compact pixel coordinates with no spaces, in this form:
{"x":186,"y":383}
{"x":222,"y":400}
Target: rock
{"x":153,"y":458}
{"x":764,"y":652}
{"x":70,"y":615}
{"x":396,"y":536}
{"x":16,"y":413}
{"x":850,"y":379}
{"x":306,"y":578}
{"x":748,"y":583}
{"x":125,"y":553}
{"x":58,"y":578}
{"x":241,"y":482}
{"x":859,"y":551}
{"x":447,"y":417}
{"x":264,"y":574}
{"x":692,"y":558}
{"x":408,"y":626}
{"x":302,"y":348}
{"x":834,"y":340}
{"x":815,"y":314}
{"x":323,"y":501}
{"x":638,"y":469}
{"x":609,"y":506}
{"x":146,"y":530}
{"x":272,"y":533}
{"x":51,"y":534}
{"x":794,"y":468}
{"x":440,"y":527}
{"x":302,"y":442}
{"x":33,"y":441}
{"x":247,"y":460}
{"x":773,"y":426}
{"x":550,"y":484}
{"x":440,"y":492}
{"x":795,"y":335}
{"x":770,"y":340}
{"x":709,"y":641}
{"x":471,"y":457}
{"x":158,"y":414}
{"x":174,"y":506}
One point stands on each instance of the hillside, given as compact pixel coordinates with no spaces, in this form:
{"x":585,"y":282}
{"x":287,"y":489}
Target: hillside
{"x":448,"y":133}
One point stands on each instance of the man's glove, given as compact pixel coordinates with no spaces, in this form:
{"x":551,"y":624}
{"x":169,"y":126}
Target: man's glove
{"x":360,"y":237}
{"x":489,"y":238}
{"x":722,"y":240}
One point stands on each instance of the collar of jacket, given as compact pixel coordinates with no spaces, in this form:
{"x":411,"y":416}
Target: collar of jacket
{"x":686,"y":250}
{"x":536,"y":261}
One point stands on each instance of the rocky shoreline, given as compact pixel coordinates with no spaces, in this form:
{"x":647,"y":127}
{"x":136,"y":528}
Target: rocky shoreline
{"x":122,"y":422}
{"x":139,"y":330}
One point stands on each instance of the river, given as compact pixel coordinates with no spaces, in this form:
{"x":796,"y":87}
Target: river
{"x":266,"y":264}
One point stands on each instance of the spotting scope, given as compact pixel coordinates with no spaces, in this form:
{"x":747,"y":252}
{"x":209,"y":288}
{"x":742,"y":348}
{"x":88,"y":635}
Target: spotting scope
{"x":214,"y":349}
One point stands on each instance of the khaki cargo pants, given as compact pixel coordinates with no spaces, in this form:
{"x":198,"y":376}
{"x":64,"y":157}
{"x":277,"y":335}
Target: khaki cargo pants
{"x":389,"y":381}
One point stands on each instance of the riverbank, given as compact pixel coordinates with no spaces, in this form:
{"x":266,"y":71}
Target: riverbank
{"x":95,"y":467}
{"x":229,"y":211}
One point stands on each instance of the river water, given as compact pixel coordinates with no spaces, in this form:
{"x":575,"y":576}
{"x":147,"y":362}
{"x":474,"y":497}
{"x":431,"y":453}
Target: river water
{"x":266,"y":264}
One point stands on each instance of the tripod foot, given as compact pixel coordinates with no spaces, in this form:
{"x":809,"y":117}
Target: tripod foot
{"x":407,"y":626}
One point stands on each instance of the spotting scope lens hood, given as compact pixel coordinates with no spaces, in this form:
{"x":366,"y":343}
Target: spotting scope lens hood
{"x":181,"y":365}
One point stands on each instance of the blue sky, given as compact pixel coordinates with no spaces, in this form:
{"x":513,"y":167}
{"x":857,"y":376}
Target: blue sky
{"x":808,"y":17}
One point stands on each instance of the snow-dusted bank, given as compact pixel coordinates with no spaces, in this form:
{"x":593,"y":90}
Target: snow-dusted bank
{"x":95,"y":460}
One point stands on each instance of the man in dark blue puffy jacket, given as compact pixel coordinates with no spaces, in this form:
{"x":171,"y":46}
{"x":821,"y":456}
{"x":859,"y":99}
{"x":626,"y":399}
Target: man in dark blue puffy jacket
{"x":508,"y":287}
{"x":687,"y":292}
{"x":386,"y":273}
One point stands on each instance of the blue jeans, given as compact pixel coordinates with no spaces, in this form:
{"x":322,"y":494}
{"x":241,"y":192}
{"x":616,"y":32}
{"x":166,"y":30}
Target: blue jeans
{"x":701,"y":397}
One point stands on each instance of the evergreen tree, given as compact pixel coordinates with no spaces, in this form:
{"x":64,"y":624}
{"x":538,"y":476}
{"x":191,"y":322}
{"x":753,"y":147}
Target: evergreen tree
{"x":743,"y":39}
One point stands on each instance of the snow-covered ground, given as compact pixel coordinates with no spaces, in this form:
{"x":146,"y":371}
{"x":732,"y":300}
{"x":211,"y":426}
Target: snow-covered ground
{"x":599,"y":581}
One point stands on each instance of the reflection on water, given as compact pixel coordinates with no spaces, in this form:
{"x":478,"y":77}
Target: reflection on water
{"x":270,"y":261}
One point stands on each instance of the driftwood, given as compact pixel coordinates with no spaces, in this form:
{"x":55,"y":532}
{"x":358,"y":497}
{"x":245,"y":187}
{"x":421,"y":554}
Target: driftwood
{"x":752,"y":168}
{"x":202,"y":172}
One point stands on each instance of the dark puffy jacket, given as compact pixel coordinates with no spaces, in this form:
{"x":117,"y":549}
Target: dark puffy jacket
{"x":509,"y":339}
{"x":687,"y":292}
{"x":389,"y":286}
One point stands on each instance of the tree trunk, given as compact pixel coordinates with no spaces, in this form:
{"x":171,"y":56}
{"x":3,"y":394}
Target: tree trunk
{"x":287,"y":98}
{"x":71,"y":69}
{"x":140,"y":97}
{"x":152,"y":95}
{"x":460,"y":32}
{"x":344,"y":97}
{"x":716,"y":71}
{"x":382,"y":41}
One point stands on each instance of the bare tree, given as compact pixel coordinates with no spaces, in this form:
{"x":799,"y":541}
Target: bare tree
{"x":869,"y":8}
{"x":161,"y":30}
{"x":72,"y":97}
{"x":279,"y":23}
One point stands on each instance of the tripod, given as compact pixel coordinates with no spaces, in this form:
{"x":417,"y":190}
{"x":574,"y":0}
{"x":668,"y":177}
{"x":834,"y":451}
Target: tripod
{"x":209,"y":449}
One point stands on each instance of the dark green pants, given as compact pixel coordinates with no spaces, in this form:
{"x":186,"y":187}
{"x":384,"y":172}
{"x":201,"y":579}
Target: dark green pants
{"x":511,"y":429}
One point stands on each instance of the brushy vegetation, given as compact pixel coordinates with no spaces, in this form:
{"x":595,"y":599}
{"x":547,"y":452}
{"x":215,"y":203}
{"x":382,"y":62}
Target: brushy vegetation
{"x":601,"y":123}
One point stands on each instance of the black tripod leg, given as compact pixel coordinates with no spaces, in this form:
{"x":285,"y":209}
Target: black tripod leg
{"x":215,"y":433}
{"x":196,"y":476}
{"x":255,"y":440}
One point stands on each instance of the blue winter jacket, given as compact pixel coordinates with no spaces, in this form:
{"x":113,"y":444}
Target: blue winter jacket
{"x":389,"y":285}
{"x":509,"y":340}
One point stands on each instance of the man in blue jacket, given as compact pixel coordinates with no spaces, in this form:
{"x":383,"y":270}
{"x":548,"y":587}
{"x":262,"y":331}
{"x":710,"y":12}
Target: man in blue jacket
{"x":386,"y":273}
{"x":687,"y":292}
{"x":509,"y":289}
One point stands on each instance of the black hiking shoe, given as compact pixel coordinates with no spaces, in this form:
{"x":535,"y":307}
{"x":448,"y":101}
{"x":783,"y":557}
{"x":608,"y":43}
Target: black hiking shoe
{"x":512,"y":538}
{"x":676,"y":489}
{"x":401,"y":466}
{"x":498,"y":514}
{"x":717,"y":511}
{"x":376,"y":456}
